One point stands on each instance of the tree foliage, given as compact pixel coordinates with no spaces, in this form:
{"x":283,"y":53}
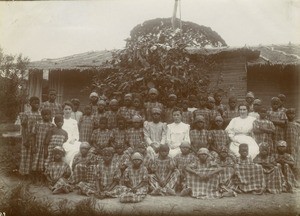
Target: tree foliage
{"x":12,"y":84}
{"x":156,"y":56}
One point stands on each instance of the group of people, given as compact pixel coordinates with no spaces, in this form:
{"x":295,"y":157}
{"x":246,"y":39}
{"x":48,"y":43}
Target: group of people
{"x":128,"y":148}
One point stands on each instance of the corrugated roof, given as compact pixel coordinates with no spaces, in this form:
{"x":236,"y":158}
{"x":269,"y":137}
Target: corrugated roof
{"x":278,"y":54}
{"x":86,"y":60}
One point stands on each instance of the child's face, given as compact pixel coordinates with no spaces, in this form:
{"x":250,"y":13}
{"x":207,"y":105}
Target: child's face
{"x":153,"y":96}
{"x":275,"y":105}
{"x":243,"y":152}
{"x":52,"y":96}
{"x":202,"y":102}
{"x":84,"y":151}
{"x":184,"y":150}
{"x":102,"y":125}
{"x":232,"y":103}
{"x":219,"y":122}
{"x":136,"y":163}
{"x":136,"y":125}
{"x":101,"y":107}
{"x":202,"y":157}
{"x":67,"y":110}
{"x":57,"y":156}
{"x":94,"y":99}
{"x":114,"y":107}
{"x":35,"y":104}
{"x":256,"y":107}
{"x":164,"y":152}
{"x":107,"y":157}
{"x":185,"y":104}
{"x":88,"y":111}
{"x":218,"y":97}
{"x":121,"y":125}
{"x":263,"y":114}
{"x":263,"y":152}
{"x":291,"y":116}
{"x":210,"y":104}
{"x":75,"y":107}
{"x":193,"y":102}
{"x":136,"y":103}
{"x":281,"y":149}
{"x":156,"y":117}
{"x":59,"y":123}
{"x":172,"y":102}
{"x":119,"y":150}
{"x":249,"y":100}
{"x":223,"y":155}
{"x":127,"y":101}
{"x":177,"y":116}
{"x":46,"y":117}
{"x":200,"y":125}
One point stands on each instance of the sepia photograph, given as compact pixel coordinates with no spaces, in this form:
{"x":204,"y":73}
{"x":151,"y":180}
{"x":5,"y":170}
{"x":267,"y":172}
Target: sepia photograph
{"x":150,"y":107}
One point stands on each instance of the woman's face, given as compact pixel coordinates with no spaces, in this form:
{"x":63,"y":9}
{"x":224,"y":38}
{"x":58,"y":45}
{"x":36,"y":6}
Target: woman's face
{"x":67,"y":110}
{"x":243,"y":111}
{"x":177,"y":116}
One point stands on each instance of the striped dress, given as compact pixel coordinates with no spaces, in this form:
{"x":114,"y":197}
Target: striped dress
{"x":134,"y":137}
{"x":149,"y":106}
{"x":279,"y":131}
{"x":86,"y":126}
{"x":264,"y":137}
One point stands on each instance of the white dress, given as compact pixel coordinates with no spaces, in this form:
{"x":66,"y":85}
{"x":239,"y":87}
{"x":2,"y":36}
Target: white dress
{"x":176,"y":133}
{"x":72,"y":145}
{"x":240,"y":131}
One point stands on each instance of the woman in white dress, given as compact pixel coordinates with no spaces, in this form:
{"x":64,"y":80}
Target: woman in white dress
{"x":176,"y":133}
{"x":240,"y":131}
{"x":71,"y":127}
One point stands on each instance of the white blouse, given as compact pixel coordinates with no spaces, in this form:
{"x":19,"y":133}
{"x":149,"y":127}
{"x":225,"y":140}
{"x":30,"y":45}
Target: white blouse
{"x":71,"y":127}
{"x":240,"y":125}
{"x":176,"y":133}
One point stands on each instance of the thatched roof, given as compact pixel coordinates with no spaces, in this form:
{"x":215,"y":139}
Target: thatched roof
{"x":277,"y":54}
{"x":86,"y":60}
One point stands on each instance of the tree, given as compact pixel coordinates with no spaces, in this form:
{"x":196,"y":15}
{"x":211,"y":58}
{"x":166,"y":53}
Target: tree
{"x":156,"y":56}
{"x":12,"y":84}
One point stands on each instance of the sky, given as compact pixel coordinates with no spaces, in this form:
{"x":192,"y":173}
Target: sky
{"x":53,"y":29}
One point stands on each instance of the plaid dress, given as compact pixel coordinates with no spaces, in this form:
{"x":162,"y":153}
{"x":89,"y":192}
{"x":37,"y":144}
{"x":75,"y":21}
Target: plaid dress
{"x":286,"y":169}
{"x":293,"y":140}
{"x":181,"y":161}
{"x":101,"y":139}
{"x":162,"y":168}
{"x":126,"y":112}
{"x":54,"y":137}
{"x":230,"y":114}
{"x":212,"y":116}
{"x":203,"y":189}
{"x":205,"y":113}
{"x":86,"y":127}
{"x":119,"y":136}
{"x":94,"y":109}
{"x":226,"y":176}
{"x":55,"y":108}
{"x":264,"y":137}
{"x":219,"y":138}
{"x":279,"y":131}
{"x":149,"y":106}
{"x":29,"y":120}
{"x":58,"y":172}
{"x":199,"y":139}
{"x":82,"y":169}
{"x":250,"y":176}
{"x":134,"y":177}
{"x":96,"y":117}
{"x":40,"y":130}
{"x":134,"y":137}
{"x":273,"y":176}
{"x":112,"y":119}
{"x":187,"y":117}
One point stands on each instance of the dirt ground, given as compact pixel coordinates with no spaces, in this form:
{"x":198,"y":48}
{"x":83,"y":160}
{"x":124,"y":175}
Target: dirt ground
{"x":246,"y":204}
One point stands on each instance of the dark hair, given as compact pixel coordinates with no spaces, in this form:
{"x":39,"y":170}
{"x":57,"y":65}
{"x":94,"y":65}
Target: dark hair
{"x":75,"y":101}
{"x":58,"y":118}
{"x":34,"y":98}
{"x":244,"y":104}
{"x":46,"y":111}
{"x":232,"y":98}
{"x":176,"y":109}
{"x":67,"y":103}
{"x":51,"y":90}
{"x":103,"y":118}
